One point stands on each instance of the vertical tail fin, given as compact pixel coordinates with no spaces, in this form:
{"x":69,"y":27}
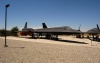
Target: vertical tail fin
{"x":25,"y":25}
{"x":98,"y":27}
{"x":79,"y":26}
{"x":44,"y":25}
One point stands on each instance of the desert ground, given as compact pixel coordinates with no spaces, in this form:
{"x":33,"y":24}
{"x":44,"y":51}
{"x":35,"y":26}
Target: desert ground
{"x":66,"y":50}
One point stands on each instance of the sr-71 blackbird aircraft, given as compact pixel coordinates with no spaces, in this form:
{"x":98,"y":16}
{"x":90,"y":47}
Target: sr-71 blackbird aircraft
{"x":94,"y":32}
{"x":50,"y":32}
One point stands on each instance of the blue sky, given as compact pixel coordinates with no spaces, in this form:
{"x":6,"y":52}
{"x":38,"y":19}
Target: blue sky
{"x":54,"y":13}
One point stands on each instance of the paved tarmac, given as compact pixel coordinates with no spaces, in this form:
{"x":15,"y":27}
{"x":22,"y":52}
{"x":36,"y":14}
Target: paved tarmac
{"x":27,"y":51}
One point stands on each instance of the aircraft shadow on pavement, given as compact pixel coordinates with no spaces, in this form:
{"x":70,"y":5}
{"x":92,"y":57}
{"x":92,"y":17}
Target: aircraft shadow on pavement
{"x":68,"y":41}
{"x":59,"y":39}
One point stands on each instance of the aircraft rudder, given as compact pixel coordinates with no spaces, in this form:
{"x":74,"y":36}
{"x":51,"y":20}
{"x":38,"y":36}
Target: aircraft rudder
{"x":25,"y":25}
{"x":98,"y":27}
{"x":44,"y":25}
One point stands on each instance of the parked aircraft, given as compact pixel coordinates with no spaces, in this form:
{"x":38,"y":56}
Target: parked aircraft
{"x":50,"y":32}
{"x":94,"y":30}
{"x":27,"y":31}
{"x":93,"y":33}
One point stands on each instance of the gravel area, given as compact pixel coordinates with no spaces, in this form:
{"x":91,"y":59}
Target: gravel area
{"x":19,"y":51}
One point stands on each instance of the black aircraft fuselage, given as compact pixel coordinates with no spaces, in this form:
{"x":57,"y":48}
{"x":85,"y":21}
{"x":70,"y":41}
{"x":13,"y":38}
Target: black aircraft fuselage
{"x":93,"y":33}
{"x":50,"y":32}
{"x":27,"y":31}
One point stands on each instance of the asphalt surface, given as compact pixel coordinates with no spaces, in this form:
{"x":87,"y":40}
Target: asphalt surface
{"x":32,"y":52}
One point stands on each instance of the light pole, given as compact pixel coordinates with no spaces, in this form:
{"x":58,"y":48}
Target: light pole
{"x":6,"y":6}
